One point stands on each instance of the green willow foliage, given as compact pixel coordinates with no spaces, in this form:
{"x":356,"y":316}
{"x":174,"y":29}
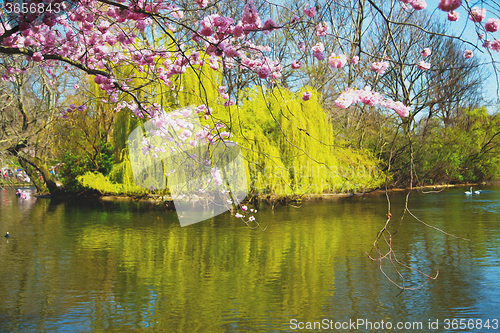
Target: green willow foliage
{"x":289,"y":147}
{"x":288,"y":144}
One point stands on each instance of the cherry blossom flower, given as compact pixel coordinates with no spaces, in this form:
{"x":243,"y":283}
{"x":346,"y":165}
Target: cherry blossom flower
{"x":492,"y":25}
{"x":424,"y":65}
{"x":449,"y":5}
{"x":355,"y":60}
{"x":318,"y":50}
{"x":309,"y":11}
{"x":216,"y":176}
{"x":369,"y":97}
{"x":322,"y":28}
{"x":202,"y":3}
{"x":372,"y":98}
{"x":453,"y":16}
{"x":306,"y":96}
{"x":37,"y":56}
{"x":345,"y":99}
{"x":269,"y":26}
{"x":251,"y":19}
{"x":222,"y":92}
{"x":495,"y":45}
{"x":400,"y":108}
{"x":426,"y":52}
{"x":337,"y":61}
{"x":380,"y":67}
{"x":296,"y":64}
{"x":468,"y":54}
{"x":477,"y":14}
{"x":177,"y":13}
{"x":263,"y":72}
{"x":418,"y":4}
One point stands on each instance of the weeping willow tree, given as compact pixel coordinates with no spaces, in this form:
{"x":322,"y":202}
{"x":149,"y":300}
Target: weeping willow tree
{"x":288,"y":144}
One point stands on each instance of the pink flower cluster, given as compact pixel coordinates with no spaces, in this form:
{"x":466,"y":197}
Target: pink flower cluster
{"x":178,"y":122}
{"x":449,"y":5}
{"x":453,"y":16}
{"x":86,"y":36}
{"x":372,"y":98}
{"x":264,"y":67}
{"x":424,"y":65}
{"x":495,"y":45}
{"x":269,"y":26}
{"x":225,"y":96}
{"x":322,"y":29}
{"x":216,"y":176}
{"x":468,"y":54}
{"x":337,"y":61}
{"x":416,"y":4}
{"x":251,"y":19}
{"x":318,"y":50}
{"x":202,"y":3}
{"x":380,"y":67}
{"x":206,"y":111}
{"x":245,"y":209}
{"x":426,"y":52}
{"x":166,"y":124}
{"x":216,"y":24}
{"x":72,"y":108}
{"x":492,"y":25}
{"x":309,"y":11}
{"x":477,"y":14}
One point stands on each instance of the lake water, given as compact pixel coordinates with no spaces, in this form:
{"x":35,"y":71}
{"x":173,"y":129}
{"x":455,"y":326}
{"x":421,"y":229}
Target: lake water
{"x":126,"y":267}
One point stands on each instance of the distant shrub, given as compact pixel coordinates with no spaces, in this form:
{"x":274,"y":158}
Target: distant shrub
{"x":100,"y":182}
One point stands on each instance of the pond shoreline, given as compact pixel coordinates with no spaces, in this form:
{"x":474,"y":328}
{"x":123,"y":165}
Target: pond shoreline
{"x":167,"y":201}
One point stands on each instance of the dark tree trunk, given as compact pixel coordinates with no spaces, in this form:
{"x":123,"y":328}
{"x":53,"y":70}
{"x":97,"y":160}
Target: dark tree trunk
{"x":30,"y":164}
{"x":34,"y":177}
{"x":39,"y":165}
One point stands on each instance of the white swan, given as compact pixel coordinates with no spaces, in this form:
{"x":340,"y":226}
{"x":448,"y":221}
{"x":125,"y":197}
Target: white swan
{"x":469,"y":192}
{"x":477,"y":192}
